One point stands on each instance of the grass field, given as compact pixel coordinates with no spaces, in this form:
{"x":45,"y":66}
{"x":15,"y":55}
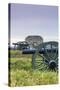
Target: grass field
{"x":22,"y":74}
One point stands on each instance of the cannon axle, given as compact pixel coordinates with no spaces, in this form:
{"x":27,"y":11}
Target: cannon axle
{"x":52,"y":64}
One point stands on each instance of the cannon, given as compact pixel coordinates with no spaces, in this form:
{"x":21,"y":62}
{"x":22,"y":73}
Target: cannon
{"x":45,"y":56}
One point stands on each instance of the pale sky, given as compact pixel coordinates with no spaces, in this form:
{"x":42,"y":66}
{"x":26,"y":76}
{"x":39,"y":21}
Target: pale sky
{"x":34,"y":20}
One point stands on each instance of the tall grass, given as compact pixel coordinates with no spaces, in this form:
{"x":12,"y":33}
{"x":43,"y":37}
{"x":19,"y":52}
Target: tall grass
{"x":22,"y":74}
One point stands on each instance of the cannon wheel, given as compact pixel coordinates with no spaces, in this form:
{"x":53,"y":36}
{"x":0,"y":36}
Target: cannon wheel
{"x":41,"y":61}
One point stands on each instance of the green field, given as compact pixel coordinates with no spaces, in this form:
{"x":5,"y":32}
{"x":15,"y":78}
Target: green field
{"x":22,"y":74}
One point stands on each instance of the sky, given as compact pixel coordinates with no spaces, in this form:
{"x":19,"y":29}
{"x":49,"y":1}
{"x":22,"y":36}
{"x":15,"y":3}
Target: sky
{"x":29,"y":19}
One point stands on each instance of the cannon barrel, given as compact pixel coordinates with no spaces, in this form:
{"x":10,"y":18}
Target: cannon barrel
{"x":28,"y":51}
{"x":32,"y":51}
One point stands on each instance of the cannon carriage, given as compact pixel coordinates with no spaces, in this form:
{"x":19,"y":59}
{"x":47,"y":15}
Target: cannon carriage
{"x":45,"y":56}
